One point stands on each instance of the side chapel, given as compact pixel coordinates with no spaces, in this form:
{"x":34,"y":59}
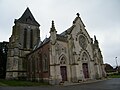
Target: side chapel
{"x":71,"y":56}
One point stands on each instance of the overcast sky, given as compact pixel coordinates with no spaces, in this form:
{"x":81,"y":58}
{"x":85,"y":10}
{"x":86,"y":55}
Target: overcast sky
{"x":101,"y":18}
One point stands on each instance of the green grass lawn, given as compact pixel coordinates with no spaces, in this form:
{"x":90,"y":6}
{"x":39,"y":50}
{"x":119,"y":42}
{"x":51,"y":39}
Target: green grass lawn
{"x":114,"y":76}
{"x":20,"y":83}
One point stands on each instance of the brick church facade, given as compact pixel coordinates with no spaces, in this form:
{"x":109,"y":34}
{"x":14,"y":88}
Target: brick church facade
{"x":71,"y":56}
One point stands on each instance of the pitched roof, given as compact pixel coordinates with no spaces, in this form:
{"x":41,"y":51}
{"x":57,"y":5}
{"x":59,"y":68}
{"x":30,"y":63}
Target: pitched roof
{"x":28,"y":18}
{"x":41,"y":43}
{"x":61,"y":37}
{"x":68,"y":31}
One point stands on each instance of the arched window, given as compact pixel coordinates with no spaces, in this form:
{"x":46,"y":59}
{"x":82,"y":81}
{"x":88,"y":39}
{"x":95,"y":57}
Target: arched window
{"x":45,"y":63}
{"x":31,"y":38}
{"x":25,"y":38}
{"x":62,"y":60}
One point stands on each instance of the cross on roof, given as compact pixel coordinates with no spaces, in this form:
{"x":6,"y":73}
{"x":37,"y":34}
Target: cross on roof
{"x":78,"y":14}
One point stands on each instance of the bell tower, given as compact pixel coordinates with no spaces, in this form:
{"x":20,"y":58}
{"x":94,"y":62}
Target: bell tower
{"x":25,"y":35}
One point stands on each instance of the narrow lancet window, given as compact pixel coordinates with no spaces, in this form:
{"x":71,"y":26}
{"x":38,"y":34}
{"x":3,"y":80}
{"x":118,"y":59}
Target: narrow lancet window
{"x":31,"y":38}
{"x":25,"y":38}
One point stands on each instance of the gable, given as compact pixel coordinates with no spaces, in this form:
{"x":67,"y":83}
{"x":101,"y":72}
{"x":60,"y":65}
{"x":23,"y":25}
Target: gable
{"x":79,"y":29}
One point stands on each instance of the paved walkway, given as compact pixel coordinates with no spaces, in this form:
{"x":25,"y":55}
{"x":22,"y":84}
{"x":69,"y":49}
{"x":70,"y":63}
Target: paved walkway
{"x":84,"y":82}
{"x":111,"y":84}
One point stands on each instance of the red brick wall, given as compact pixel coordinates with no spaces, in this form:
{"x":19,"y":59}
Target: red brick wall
{"x":45,"y":50}
{"x":35,"y":63}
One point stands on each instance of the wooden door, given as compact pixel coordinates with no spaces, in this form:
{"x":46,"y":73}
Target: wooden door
{"x":63,"y":73}
{"x":85,"y":70}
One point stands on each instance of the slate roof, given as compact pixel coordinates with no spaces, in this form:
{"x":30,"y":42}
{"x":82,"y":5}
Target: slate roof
{"x":28,"y":18}
{"x":41,"y":43}
{"x":61,"y":37}
{"x":68,"y":31}
{"x":45,"y":41}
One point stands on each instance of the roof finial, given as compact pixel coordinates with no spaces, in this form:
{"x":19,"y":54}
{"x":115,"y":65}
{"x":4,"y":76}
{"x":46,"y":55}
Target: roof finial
{"x":53,"y":27}
{"x":46,"y":36}
{"x":53,"y":24}
{"x":78,"y":14}
{"x":95,"y":37}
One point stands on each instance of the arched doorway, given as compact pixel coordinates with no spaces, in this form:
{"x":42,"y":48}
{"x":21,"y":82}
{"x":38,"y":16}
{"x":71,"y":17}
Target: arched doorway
{"x":85,"y":70}
{"x":85,"y":61}
{"x":63,"y":68}
{"x":63,"y":73}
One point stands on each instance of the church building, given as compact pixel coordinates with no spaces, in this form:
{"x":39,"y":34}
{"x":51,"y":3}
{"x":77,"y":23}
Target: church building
{"x":71,"y":56}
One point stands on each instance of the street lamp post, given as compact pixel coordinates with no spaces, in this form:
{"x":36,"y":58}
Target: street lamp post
{"x":116,"y":63}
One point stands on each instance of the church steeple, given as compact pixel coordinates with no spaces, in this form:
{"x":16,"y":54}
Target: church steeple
{"x":28,"y":18}
{"x":53,"y":33}
{"x":26,"y":34}
{"x":53,"y":27}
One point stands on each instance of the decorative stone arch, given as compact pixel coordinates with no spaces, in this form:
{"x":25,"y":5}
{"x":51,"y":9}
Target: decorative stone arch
{"x":85,"y":60}
{"x":85,"y":52}
{"x":63,"y":67}
{"x":62,"y":60}
{"x":85,"y":57}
